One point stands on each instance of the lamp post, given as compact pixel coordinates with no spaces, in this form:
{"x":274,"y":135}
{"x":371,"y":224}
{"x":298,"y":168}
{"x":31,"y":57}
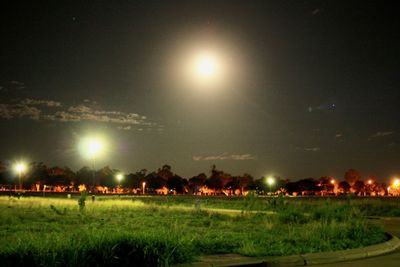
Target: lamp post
{"x":144,"y":187}
{"x":270,"y":182}
{"x":19,"y":168}
{"x":90,"y":148}
{"x":94,"y":147}
{"x":333,"y":183}
{"x":395,"y":187}
{"x":119,"y":178}
{"x":396,"y":183}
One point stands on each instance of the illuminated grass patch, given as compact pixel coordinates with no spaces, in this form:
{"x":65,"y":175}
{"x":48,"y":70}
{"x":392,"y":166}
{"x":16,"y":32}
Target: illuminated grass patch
{"x":55,"y":232}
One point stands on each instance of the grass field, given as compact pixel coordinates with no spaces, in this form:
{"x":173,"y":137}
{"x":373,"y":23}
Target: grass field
{"x":160,"y":231}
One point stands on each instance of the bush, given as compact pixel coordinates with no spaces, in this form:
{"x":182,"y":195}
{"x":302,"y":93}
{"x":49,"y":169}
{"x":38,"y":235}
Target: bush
{"x":291,"y":214}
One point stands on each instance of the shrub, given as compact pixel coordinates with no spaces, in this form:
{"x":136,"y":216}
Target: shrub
{"x":291,"y":214}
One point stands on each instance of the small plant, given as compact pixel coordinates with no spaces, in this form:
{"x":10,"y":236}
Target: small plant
{"x":57,"y":211}
{"x":197,"y":205}
{"x":250,"y":202}
{"x":82,"y":201}
{"x":291,"y":214}
{"x":277,"y":203}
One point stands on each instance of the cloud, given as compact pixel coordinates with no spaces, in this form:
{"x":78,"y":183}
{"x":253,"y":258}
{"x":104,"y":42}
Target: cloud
{"x":315,"y":11}
{"x":30,"y":108}
{"x":312,"y":149}
{"x":381,"y":134}
{"x":309,"y":149}
{"x":48,"y":103}
{"x":126,"y":128}
{"x":18,"y":84}
{"x":338,"y":135}
{"x":80,"y":109}
{"x":19,"y":111}
{"x":225,"y":156}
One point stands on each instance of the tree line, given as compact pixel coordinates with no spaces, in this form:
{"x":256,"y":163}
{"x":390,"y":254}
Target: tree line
{"x":216,"y":182}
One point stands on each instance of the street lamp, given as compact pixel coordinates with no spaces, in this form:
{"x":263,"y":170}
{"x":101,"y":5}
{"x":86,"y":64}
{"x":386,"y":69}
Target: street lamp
{"x":144,"y":186}
{"x":19,"y":168}
{"x":270,"y":182}
{"x":396,"y":183}
{"x":91,"y":147}
{"x":119,"y":178}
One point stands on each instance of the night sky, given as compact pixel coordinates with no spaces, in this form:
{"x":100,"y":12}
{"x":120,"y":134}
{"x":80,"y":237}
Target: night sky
{"x":303,"y":89}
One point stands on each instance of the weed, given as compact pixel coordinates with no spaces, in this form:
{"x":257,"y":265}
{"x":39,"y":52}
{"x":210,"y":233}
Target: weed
{"x":57,"y":211}
{"x":82,"y":201}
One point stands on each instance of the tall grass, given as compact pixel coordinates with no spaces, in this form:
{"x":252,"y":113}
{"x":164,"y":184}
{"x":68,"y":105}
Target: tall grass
{"x":146,"y":232}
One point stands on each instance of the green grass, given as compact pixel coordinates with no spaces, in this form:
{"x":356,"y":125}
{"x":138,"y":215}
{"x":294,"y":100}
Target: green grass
{"x":155,"y":231}
{"x":370,"y":206}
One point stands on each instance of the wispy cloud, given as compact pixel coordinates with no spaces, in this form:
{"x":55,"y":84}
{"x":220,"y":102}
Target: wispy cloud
{"x":126,"y":128}
{"x":18,"y":84}
{"x":49,"y":110}
{"x":48,"y":103}
{"x":381,"y":134}
{"x":312,"y":149}
{"x":225,"y":156}
{"x":309,"y":149}
{"x":12,"y":86}
{"x":11,"y":111}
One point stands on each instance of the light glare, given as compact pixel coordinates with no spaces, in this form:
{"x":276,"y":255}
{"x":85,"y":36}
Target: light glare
{"x":396,"y":183}
{"x":91,"y":147}
{"x":206,"y":65}
{"x":270,"y":181}
{"x":119,"y":177}
{"x":20,"y":167}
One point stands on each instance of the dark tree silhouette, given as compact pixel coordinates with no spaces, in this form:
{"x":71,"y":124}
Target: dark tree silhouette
{"x":351,"y":176}
{"x":38,"y":173}
{"x":359,"y":187}
{"x":196,"y":182}
{"x":177,"y":183}
{"x":344,"y":186}
{"x":153,"y":182}
{"x":165,"y":172}
{"x":84,"y":176}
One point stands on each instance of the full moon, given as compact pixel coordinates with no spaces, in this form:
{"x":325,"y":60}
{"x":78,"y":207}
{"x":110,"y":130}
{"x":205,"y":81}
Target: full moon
{"x":206,"y":64}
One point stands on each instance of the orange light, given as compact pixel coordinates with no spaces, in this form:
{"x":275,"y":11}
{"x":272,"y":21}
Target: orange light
{"x":369,"y":181}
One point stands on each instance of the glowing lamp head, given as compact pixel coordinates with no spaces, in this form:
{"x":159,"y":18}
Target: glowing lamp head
{"x":20,"y":167}
{"x":91,"y":147}
{"x":332,"y":181}
{"x":94,"y":147}
{"x":119,"y":177}
{"x":270,"y":181}
{"x":396,"y":183}
{"x":369,"y":182}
